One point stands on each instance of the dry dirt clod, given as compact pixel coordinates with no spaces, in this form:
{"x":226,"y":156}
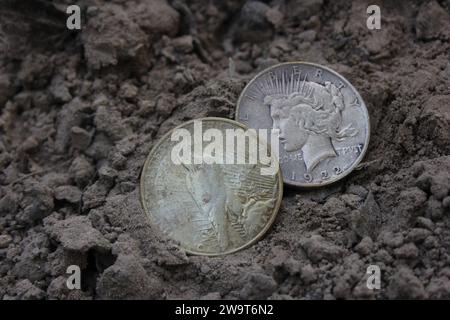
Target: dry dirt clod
{"x":68,"y":232}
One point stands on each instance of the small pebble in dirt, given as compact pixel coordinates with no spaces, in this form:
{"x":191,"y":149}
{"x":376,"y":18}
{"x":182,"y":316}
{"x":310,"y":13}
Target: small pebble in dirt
{"x":9,"y":203}
{"x":80,"y":138}
{"x":391,"y":239}
{"x":434,"y":208}
{"x":69,"y":117}
{"x":446,"y":202}
{"x":5,"y":240}
{"x":365,"y":246}
{"x":118,"y":161}
{"x":30,"y":144}
{"x":258,"y":286}
{"x":109,"y":121}
{"x":407,"y":251}
{"x":165,"y":104}
{"x":59,"y":90}
{"x":94,"y":195}
{"x":37,"y":203}
{"x":128,"y":91}
{"x":308,"y":274}
{"x":317,"y":248}
{"x":417,"y":235}
{"x":68,"y":193}
{"x":183,"y":44}
{"x":81,"y":170}
{"x":425,"y":223}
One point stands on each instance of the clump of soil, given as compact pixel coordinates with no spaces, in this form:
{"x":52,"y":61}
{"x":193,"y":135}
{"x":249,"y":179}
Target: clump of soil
{"x":80,"y":110}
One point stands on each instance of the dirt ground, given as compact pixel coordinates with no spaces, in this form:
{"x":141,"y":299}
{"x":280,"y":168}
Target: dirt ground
{"x":80,"y":111}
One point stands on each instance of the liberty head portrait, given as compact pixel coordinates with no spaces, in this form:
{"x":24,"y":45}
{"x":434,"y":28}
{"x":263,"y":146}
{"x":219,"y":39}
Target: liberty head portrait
{"x":310,"y":120}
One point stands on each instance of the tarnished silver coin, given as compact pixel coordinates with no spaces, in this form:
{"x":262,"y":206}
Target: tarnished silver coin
{"x":209,"y":208}
{"x":323,"y":121}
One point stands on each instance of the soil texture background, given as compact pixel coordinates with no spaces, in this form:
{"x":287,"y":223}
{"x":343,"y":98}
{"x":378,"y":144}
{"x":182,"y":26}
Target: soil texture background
{"x":80,"y":111}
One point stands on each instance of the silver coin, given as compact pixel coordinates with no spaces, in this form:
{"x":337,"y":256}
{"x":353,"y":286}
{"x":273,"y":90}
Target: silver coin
{"x":209,"y":209}
{"x":323,"y":121}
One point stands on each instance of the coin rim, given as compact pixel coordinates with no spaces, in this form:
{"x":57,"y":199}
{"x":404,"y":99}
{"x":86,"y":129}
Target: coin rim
{"x":179,"y":244}
{"x":367,"y":140}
